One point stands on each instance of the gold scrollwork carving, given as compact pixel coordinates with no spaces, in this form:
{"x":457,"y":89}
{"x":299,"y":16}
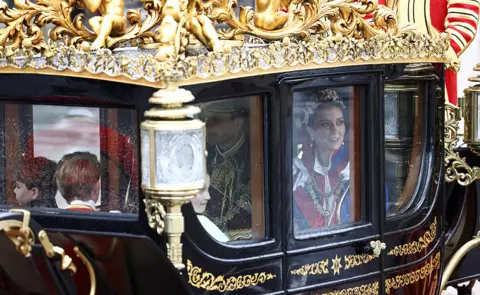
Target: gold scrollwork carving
{"x":403,"y":280}
{"x":155,"y":214}
{"x":317,"y":268}
{"x":456,"y":168}
{"x":25,"y":20}
{"x":207,"y":281}
{"x":352,"y":261}
{"x":367,"y":289}
{"x":275,"y":20}
{"x":416,"y":246}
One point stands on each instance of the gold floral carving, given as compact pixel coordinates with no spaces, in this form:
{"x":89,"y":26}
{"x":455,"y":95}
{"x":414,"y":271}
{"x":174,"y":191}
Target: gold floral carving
{"x":367,"y":289}
{"x":456,"y":168}
{"x":277,"y":19}
{"x":403,"y":280}
{"x":23,"y":23}
{"x":352,"y":261}
{"x":207,"y":281}
{"x":317,"y":268}
{"x":416,"y":246}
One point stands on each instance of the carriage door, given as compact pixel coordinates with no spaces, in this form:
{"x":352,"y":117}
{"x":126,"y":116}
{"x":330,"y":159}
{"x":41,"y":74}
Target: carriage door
{"x":334,"y":184}
{"x":413,"y":177}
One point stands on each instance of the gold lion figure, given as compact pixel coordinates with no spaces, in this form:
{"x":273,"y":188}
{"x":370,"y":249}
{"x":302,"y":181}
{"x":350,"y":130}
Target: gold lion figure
{"x":111,"y":23}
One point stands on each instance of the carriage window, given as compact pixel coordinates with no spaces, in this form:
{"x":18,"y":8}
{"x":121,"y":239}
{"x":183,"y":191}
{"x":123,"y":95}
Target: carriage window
{"x":73,"y":158}
{"x":403,"y":145}
{"x":232,"y":209}
{"x":325,"y":182}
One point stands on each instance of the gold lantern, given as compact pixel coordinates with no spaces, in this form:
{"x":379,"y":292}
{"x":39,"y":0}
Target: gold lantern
{"x":173,"y":163}
{"x":472,"y":119}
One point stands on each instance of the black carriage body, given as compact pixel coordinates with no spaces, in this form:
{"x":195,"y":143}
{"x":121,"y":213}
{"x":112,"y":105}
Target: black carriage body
{"x":281,"y":261}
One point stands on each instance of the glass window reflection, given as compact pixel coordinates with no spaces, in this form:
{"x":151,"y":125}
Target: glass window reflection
{"x":403,"y":145}
{"x":75,"y":158}
{"x":234,"y":208}
{"x":322,"y":167}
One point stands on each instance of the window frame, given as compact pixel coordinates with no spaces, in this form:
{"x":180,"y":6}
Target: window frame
{"x":271,"y":244}
{"x":62,"y":91}
{"x":369,"y":115}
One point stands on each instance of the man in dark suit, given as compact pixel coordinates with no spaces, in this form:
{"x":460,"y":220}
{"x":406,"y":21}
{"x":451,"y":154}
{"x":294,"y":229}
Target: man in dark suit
{"x":228,"y":163}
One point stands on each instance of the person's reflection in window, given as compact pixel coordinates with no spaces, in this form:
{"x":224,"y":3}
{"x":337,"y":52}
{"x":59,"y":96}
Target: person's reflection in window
{"x":199,"y":204}
{"x":36,"y":185}
{"x":78,"y":179}
{"x":229,"y":166}
{"x":321,"y":173}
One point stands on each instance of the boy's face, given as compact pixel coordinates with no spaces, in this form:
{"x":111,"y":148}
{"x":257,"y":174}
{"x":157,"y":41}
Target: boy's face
{"x":23,"y":194}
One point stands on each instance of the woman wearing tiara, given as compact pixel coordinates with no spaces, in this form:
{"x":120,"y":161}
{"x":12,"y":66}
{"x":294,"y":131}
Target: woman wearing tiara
{"x":321,"y":173}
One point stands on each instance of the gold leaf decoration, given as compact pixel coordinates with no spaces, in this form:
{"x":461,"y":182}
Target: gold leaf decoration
{"x":207,"y":281}
{"x":413,"y":277}
{"x":240,"y":62}
{"x":352,"y":261}
{"x":456,"y":168}
{"x":367,"y":289}
{"x":25,"y":20}
{"x":277,"y":19}
{"x":317,"y":268}
{"x":416,"y":246}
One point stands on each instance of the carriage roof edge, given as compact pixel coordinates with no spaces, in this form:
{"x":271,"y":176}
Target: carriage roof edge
{"x":317,"y":34}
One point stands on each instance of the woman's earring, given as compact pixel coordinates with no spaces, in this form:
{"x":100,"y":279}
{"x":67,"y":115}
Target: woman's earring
{"x":311,"y":142}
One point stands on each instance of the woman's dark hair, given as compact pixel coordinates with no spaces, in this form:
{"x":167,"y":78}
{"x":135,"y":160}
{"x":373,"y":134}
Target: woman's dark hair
{"x":322,"y":99}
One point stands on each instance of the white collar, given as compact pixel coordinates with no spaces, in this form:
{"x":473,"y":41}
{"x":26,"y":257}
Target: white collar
{"x":319,"y":168}
{"x":212,"y":229}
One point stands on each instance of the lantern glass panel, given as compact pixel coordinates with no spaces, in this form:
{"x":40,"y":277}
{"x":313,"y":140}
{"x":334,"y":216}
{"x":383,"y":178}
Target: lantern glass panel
{"x":180,"y":158}
{"x":145,"y":150}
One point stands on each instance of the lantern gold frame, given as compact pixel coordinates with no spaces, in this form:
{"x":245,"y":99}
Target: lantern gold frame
{"x":163,"y":201}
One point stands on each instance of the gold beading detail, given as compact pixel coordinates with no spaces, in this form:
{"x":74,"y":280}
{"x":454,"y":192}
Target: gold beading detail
{"x":416,"y":246}
{"x":207,"y":281}
{"x":403,"y":280}
{"x":456,"y":168}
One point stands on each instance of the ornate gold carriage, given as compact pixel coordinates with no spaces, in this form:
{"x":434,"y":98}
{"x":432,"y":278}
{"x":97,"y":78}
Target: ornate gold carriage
{"x":199,"y":115}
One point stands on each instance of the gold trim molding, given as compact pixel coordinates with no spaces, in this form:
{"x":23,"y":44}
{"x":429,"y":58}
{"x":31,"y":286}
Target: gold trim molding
{"x":416,"y":246}
{"x":456,"y":168}
{"x":139,"y":66}
{"x":207,"y":281}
